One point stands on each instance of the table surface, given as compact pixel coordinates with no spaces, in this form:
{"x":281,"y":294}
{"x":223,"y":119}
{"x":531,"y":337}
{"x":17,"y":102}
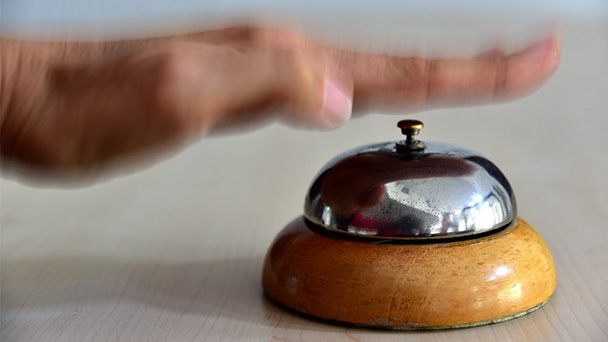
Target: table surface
{"x":175,"y":252}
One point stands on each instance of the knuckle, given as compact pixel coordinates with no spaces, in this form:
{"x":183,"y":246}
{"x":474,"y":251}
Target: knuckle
{"x":293,"y":60}
{"x":167,"y":80}
{"x":295,"y":72}
{"x":301,"y":82}
{"x":266,"y":37}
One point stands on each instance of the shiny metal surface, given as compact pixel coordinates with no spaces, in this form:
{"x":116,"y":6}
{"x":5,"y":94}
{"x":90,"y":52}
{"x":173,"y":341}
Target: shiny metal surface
{"x":376,"y":192}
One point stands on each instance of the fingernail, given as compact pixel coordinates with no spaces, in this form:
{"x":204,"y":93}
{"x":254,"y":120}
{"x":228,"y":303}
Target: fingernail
{"x":337,"y":104}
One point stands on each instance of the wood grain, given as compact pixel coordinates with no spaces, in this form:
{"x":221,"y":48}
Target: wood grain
{"x":406,"y":286}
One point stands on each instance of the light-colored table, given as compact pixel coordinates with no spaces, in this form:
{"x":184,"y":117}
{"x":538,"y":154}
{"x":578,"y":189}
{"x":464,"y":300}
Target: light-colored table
{"x":174,"y":253}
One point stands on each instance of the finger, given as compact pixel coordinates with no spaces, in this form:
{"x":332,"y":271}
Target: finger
{"x":491,"y":53}
{"x":248,"y":86}
{"x":417,"y":82}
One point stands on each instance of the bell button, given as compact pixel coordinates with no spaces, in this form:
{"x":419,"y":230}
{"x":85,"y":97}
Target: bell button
{"x":410,"y":128}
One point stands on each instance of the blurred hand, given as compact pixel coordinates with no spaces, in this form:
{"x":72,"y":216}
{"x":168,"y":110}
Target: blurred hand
{"x":79,"y":107}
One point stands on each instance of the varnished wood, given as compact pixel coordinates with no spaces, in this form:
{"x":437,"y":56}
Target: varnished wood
{"x":410,"y":286}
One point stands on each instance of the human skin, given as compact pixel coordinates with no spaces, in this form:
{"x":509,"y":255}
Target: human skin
{"x":75,"y":108}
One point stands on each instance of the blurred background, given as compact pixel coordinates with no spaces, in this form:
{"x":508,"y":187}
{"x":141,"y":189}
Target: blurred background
{"x":117,"y":16}
{"x":207,"y":215}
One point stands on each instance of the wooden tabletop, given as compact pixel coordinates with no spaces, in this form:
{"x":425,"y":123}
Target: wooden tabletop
{"x":174,"y":253}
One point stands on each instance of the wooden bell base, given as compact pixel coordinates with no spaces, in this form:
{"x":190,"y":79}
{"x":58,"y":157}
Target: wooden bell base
{"x":410,"y":286}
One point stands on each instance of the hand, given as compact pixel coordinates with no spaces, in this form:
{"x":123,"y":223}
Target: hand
{"x":76,"y":108}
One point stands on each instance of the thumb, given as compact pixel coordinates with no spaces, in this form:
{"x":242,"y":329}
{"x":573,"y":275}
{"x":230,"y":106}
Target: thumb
{"x":337,"y":102}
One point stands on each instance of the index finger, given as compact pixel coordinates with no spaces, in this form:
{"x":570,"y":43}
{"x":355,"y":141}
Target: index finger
{"x":415,"y":82}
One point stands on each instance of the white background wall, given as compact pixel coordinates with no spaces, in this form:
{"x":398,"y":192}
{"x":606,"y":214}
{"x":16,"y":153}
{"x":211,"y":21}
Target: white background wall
{"x":40,"y":16}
